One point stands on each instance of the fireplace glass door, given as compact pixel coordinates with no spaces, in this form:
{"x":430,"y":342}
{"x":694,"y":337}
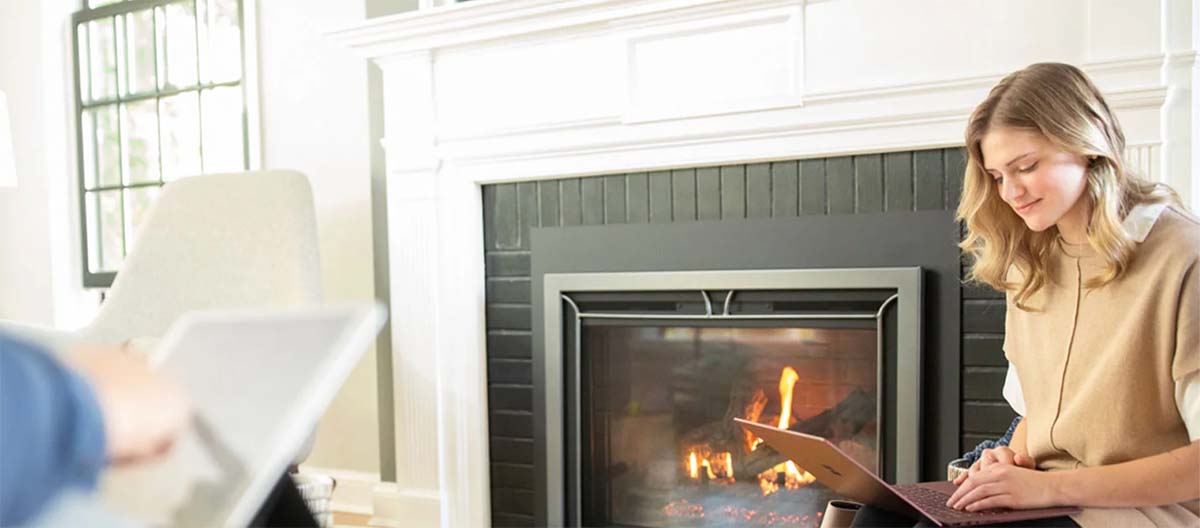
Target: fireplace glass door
{"x":658,"y":445}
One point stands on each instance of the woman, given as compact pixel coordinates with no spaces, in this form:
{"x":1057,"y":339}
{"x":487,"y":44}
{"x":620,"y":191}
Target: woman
{"x":1102,"y":275}
{"x":1103,"y":330}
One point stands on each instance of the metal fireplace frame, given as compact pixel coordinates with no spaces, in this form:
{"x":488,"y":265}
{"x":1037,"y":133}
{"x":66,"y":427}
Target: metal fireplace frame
{"x":907,"y":281}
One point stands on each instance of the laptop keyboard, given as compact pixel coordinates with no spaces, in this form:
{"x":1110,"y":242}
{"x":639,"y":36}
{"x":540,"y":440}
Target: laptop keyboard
{"x":934,"y":502}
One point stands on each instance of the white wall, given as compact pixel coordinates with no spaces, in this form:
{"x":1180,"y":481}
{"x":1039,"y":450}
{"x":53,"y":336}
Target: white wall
{"x":39,"y":244}
{"x":24,"y":211}
{"x":314,"y":119}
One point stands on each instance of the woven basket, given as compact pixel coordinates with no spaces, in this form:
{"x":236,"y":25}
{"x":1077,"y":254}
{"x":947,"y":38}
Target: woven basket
{"x":317,"y":491}
{"x":956,"y":467}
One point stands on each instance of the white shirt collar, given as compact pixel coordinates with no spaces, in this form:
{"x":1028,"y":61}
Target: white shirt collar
{"x":1141,"y":219}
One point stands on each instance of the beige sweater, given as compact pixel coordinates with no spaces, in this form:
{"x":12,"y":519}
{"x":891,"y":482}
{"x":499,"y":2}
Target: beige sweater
{"x":1098,"y":366}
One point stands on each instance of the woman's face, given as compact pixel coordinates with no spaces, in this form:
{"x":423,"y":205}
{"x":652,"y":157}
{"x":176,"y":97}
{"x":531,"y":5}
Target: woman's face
{"x":1041,"y":182}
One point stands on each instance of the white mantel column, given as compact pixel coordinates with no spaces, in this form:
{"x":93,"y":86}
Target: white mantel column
{"x":441,"y":474}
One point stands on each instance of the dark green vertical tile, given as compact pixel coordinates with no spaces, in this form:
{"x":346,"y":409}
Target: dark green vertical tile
{"x":500,"y":202}
{"x":733,"y":191}
{"x":785,"y":188}
{"x":638,"y":192}
{"x":489,"y":217}
{"x":571,"y":202}
{"x":683,"y":195}
{"x":758,"y":190}
{"x":956,"y":165}
{"x":812,"y":186}
{"x":930,"y":175}
{"x":548,"y":198}
{"x":868,"y":183}
{"x":592,"y":200}
{"x":660,"y":197}
{"x":708,"y":193}
{"x":527,"y":210}
{"x":614,"y":199}
{"x":898,"y":181}
{"x":839,"y":184}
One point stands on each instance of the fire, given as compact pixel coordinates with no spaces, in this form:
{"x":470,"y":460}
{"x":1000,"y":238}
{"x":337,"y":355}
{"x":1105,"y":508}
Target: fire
{"x":787,"y":386}
{"x":704,"y":465}
{"x":786,"y":475}
{"x":753,"y":411}
{"x":717,"y":467}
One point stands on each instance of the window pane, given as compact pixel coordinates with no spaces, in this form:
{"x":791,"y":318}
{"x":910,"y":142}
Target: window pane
{"x":122,"y":55}
{"x":137,"y":204}
{"x":85,"y":88}
{"x":180,"y":115}
{"x":103,"y":59}
{"x":139,"y":132}
{"x":223,"y":53}
{"x":108,"y":159}
{"x":139,"y":27}
{"x":87,"y":138}
{"x":223,"y":129}
{"x":181,"y":45}
{"x":98,"y":3}
{"x":92,"y":218}
{"x":111,"y":231}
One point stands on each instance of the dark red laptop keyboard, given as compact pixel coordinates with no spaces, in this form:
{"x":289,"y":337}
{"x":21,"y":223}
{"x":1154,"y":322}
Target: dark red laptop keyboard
{"x":934,"y":503}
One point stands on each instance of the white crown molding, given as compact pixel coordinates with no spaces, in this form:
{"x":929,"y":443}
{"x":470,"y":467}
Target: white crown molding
{"x":538,"y":157}
{"x":1127,"y":98}
{"x":487,"y":20}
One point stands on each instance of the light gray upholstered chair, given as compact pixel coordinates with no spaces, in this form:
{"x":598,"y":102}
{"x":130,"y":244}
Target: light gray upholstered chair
{"x":214,"y":241}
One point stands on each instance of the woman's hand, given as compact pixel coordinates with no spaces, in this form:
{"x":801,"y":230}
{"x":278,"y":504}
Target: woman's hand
{"x":999,"y":485}
{"x":999,"y":455}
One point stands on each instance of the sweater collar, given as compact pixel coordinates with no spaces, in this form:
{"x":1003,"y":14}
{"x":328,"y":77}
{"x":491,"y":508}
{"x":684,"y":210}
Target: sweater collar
{"x":1137,"y":223}
{"x":1141,"y":220}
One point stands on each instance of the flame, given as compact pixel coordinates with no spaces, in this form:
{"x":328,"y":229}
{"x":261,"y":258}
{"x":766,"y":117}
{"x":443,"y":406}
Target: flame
{"x":703,"y":462}
{"x":787,"y":386}
{"x":753,"y":412}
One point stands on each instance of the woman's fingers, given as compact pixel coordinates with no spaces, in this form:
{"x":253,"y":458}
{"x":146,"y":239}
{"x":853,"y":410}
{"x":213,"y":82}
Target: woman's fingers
{"x":1024,"y":460}
{"x":969,"y":484}
{"x":962,"y":477}
{"x":1003,"y":455}
{"x":977,"y":493}
{"x":1003,"y":500}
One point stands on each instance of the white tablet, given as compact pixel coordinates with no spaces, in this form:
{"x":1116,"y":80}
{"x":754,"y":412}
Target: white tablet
{"x":258,"y":382}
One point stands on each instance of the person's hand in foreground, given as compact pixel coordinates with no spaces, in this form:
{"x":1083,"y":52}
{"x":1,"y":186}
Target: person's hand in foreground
{"x":144,"y":411}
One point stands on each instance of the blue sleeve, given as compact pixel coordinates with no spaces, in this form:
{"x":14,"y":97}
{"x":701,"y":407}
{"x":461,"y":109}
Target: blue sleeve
{"x":51,"y":431}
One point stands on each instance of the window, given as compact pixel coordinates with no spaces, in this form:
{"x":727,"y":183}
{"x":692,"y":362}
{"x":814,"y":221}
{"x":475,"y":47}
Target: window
{"x":160,"y":94}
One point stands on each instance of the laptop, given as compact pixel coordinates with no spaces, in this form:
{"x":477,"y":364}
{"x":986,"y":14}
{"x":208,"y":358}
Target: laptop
{"x":258,"y":382}
{"x":836,"y":470}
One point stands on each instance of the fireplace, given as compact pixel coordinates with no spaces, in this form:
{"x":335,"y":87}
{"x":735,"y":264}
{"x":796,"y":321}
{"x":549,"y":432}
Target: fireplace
{"x":654,"y":375}
{"x":650,"y":339}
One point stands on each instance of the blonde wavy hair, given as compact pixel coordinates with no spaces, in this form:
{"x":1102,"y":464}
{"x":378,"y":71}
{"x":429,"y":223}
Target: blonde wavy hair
{"x":1061,"y":103}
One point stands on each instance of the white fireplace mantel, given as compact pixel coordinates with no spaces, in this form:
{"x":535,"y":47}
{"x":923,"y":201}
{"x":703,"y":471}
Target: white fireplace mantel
{"x":515,"y":90}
